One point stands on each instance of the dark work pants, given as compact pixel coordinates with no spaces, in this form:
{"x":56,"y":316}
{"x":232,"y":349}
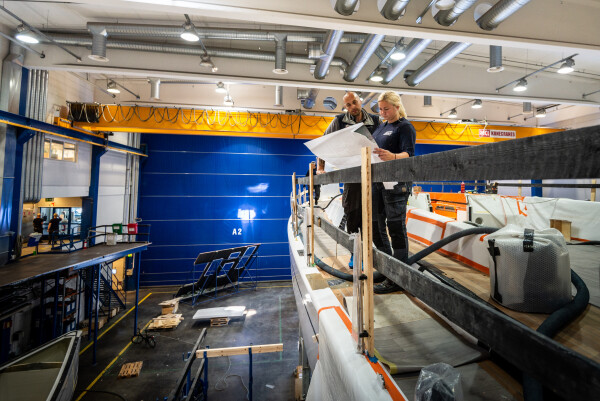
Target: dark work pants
{"x":389,"y":209}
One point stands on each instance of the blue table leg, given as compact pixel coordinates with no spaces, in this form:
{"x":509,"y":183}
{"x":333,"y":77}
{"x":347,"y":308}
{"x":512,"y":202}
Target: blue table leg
{"x":250,"y":374}
{"x":137,"y":267}
{"x":55,"y":308}
{"x":205,"y":388}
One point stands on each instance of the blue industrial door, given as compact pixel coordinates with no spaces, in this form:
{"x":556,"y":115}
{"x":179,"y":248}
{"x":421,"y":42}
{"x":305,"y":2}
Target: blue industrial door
{"x":203,"y":193}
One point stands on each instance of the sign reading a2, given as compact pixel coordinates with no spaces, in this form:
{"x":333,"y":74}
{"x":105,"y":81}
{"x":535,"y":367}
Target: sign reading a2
{"x":237,"y":231}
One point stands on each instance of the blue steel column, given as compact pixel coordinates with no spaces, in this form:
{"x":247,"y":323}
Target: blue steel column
{"x":96,"y":310}
{"x":42,"y":310}
{"x":55,"y":307}
{"x":137,"y":267}
{"x":90,"y":204}
{"x":251,"y":380}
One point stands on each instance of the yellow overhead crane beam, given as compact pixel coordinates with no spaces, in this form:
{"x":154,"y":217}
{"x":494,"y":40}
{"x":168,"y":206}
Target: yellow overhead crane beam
{"x":179,"y":121}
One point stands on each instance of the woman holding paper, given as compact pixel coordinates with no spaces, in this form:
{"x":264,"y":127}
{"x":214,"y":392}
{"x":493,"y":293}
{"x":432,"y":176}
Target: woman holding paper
{"x":396,"y":140}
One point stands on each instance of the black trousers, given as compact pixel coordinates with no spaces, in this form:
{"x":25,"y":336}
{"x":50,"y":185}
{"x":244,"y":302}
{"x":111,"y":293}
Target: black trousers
{"x":389,"y":211}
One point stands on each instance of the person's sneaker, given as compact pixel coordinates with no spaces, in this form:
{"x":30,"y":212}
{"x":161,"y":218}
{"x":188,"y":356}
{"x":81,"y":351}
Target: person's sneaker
{"x":351,"y":263}
{"x":386,"y":287}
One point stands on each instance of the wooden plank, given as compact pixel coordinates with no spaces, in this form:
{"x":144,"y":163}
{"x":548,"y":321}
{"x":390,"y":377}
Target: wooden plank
{"x":367,"y":250}
{"x":568,"y":154}
{"x":311,"y":219}
{"x":256,"y":349}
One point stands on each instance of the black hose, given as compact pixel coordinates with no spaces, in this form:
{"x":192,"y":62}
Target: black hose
{"x":377,"y":277}
{"x":533,"y":389}
{"x":329,"y":203}
{"x":587,"y":243}
{"x":445,"y":241}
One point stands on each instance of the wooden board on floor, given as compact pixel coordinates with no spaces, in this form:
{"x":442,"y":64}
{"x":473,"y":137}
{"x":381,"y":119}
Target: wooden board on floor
{"x":131,"y":369}
{"x":169,"y":321}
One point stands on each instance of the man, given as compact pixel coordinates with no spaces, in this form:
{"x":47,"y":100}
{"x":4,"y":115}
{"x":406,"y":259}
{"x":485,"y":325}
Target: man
{"x":53,"y":227}
{"x":38,"y":224}
{"x":351,"y":199}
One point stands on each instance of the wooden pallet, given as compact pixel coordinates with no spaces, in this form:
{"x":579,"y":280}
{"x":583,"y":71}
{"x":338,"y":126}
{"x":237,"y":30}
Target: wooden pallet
{"x":219,"y":321}
{"x":131,"y":369}
{"x":169,"y":321}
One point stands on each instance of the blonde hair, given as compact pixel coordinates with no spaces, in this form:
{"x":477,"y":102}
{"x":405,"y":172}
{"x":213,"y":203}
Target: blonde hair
{"x":393,"y":99}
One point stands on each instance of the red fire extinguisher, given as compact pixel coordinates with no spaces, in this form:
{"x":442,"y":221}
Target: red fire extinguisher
{"x":462,"y":187}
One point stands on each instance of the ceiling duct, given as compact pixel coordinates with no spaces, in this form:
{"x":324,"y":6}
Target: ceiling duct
{"x":329,"y":48}
{"x":165,"y":31}
{"x":394,"y":9}
{"x":154,"y":88}
{"x":369,"y":97}
{"x":99,"y":37}
{"x":309,"y":102}
{"x":280,"y":42}
{"x":364,"y":54}
{"x":278,"y":96}
{"x":72,"y":40}
{"x":345,"y":7}
{"x":495,"y":59}
{"x":414,"y":48}
{"x":449,"y":51}
{"x":449,"y":17}
{"x":499,"y":12}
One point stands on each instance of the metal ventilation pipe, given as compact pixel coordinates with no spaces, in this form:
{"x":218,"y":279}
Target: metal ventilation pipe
{"x":99,"y":37}
{"x":369,"y":97}
{"x":329,"y":48}
{"x":345,"y":7}
{"x":450,"y":51}
{"x":394,"y":9}
{"x":364,"y":54}
{"x":449,"y":17}
{"x":280,"y":42}
{"x":278,"y":96}
{"x":495,"y":59}
{"x":72,"y":40}
{"x":414,"y":48}
{"x":499,"y":12}
{"x":154,"y":88}
{"x":309,"y":102}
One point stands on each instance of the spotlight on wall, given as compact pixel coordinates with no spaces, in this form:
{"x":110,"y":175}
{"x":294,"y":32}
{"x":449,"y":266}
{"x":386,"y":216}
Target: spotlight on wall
{"x":521,"y":85}
{"x":477,"y":104}
{"x":567,"y":66}
{"x":25,"y":35}
{"x":453,"y":114}
{"x":540,"y":113}
{"x":112,"y":87}
{"x":228,"y":100}
{"x":221,"y":88}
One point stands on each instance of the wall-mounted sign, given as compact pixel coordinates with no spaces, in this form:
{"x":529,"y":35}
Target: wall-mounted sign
{"x":49,"y":199}
{"x":496,"y":133}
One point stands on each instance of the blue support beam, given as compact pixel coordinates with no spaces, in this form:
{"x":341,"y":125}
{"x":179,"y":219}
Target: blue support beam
{"x":96,"y":311}
{"x":137,"y":268}
{"x":537,"y":191}
{"x":89,"y":205}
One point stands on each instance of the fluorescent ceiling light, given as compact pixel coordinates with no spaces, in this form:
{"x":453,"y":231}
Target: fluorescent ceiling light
{"x":453,"y":113}
{"x":520,"y":86}
{"x":477,"y":104}
{"x":539,"y":113}
{"x":221,"y":88}
{"x":25,"y":35}
{"x":112,"y":87}
{"x":567,"y":66}
{"x":189,"y":33}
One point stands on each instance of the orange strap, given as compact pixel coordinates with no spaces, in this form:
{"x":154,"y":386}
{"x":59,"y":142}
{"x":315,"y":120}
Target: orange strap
{"x":390,"y":385}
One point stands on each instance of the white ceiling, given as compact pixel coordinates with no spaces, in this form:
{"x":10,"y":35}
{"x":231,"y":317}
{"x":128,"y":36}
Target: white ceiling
{"x":541,"y":33}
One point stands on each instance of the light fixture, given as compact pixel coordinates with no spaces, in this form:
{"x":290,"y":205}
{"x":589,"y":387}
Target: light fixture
{"x":25,"y":35}
{"x":214,"y":68}
{"x":112,"y":87}
{"x":221,"y":88}
{"x":399,"y":53}
{"x":444,"y":4}
{"x":567,"y":66}
{"x":377,"y":76}
{"x":453,"y":114}
{"x":477,"y":104}
{"x":228,"y":100}
{"x":189,"y":33}
{"x":521,"y":85}
{"x":540,"y":113}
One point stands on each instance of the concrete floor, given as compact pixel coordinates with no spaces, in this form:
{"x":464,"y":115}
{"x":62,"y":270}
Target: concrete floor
{"x":272,"y":318}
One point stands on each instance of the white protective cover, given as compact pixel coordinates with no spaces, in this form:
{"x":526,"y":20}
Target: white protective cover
{"x":538,"y":281}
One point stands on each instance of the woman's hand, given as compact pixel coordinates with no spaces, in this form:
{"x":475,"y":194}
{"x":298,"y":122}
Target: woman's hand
{"x":384,"y":155}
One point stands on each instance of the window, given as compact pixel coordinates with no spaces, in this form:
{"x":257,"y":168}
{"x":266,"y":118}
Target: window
{"x":57,"y":150}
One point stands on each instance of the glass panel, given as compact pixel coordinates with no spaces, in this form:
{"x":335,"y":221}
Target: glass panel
{"x":70,"y":152}
{"x":46,"y":149}
{"x":56,"y":151}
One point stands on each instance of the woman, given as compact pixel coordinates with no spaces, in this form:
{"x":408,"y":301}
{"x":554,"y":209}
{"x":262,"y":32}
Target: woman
{"x":396,"y":140}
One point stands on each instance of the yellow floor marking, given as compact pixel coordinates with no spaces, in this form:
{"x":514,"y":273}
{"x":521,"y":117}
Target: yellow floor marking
{"x":113,"y":325}
{"x":108,"y":366}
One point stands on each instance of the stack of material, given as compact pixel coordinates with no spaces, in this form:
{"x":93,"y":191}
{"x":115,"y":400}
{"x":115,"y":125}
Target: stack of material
{"x":169,"y":306}
{"x":169,"y":321}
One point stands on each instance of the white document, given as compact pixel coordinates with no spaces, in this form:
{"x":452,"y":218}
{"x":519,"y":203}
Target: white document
{"x":342,"y":148}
